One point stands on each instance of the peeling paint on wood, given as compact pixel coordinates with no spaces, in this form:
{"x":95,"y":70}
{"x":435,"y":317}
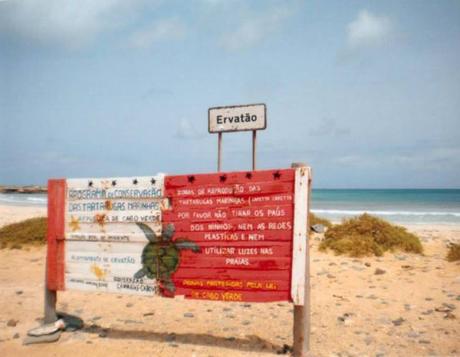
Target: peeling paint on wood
{"x":234,"y":236}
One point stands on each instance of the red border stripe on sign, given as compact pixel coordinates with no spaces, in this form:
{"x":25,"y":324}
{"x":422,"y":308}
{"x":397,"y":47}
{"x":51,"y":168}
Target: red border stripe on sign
{"x":55,"y":235}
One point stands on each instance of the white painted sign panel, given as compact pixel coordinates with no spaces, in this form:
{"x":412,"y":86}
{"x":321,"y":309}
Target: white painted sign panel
{"x":104,"y":242}
{"x":237,"y":118}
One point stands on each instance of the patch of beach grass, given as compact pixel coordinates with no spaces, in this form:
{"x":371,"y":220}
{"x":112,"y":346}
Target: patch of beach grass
{"x":313,"y":219}
{"x":453,"y":254}
{"x":367,"y":235}
{"x":25,"y":233}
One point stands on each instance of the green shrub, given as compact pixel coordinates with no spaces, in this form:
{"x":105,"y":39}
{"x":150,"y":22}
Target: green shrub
{"x":313,"y":219}
{"x":29,"y":232}
{"x":367,"y":235}
{"x":454,"y":253}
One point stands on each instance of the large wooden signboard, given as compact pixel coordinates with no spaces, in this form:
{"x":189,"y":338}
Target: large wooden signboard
{"x":236,"y":236}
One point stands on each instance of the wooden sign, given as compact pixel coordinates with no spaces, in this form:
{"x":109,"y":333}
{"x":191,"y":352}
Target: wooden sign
{"x":236,"y":236}
{"x":237,"y":118}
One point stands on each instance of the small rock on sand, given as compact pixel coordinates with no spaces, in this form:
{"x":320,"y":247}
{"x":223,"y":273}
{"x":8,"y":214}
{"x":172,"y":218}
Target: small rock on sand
{"x":379,"y":271}
{"x":318,"y":228}
{"x":29,"y":340}
{"x":12,"y":323}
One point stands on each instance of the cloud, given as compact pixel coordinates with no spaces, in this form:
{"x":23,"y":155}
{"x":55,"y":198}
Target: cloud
{"x":368,"y":30}
{"x":186,"y":130}
{"x":412,"y":159}
{"x":329,"y":127}
{"x":255,"y":28}
{"x":163,"y":30}
{"x":214,"y":2}
{"x":71,"y":24}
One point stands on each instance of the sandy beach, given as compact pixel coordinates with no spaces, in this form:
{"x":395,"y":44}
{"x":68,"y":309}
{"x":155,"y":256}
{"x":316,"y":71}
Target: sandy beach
{"x":411,"y":308}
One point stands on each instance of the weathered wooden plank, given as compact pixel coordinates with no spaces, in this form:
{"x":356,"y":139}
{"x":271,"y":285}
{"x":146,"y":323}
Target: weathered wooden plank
{"x":191,"y":260}
{"x":231,"y":201}
{"x":236,"y":236}
{"x":103,"y":218}
{"x":245,"y":249}
{"x":240,"y":284}
{"x":232,"y":274}
{"x":105,"y":255}
{"x":154,"y":181}
{"x":119,"y":287}
{"x":238,"y":295}
{"x":107,"y":237}
{"x":56,"y":226}
{"x":109,"y":276}
{"x":247,"y":281}
{"x":96,"y":257}
{"x":101,"y":270}
{"x":121,"y":205}
{"x":237,"y":224}
{"x":302,"y":175}
{"x":107,"y":229}
{"x":284,"y":175}
{"x":106,"y":247}
{"x":114,"y":193}
{"x":210,"y":214}
{"x":239,"y":189}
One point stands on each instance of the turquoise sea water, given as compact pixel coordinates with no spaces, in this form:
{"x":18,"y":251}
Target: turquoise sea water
{"x":396,"y":205}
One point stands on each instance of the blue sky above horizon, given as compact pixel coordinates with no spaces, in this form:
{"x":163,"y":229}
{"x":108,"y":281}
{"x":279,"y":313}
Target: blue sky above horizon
{"x":366,"y":92}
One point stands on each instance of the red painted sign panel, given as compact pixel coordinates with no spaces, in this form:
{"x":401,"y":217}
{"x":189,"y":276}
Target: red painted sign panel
{"x":242,"y":223}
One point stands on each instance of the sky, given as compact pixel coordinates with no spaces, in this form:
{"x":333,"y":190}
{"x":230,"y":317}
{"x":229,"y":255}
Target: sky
{"x":365,"y":92}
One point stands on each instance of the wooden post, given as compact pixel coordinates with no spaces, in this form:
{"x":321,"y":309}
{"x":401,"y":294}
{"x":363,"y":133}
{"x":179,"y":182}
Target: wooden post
{"x":301,"y":343}
{"x":254,"y":139}
{"x":219,"y":152}
{"x":54,"y":271}
{"x":50,"y":315}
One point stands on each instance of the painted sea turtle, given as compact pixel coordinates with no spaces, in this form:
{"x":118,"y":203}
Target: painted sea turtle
{"x":160,"y":257}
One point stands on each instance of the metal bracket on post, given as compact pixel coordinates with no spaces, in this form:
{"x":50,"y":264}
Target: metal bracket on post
{"x":301,"y":331}
{"x":219,"y":152}
{"x":254,"y":139}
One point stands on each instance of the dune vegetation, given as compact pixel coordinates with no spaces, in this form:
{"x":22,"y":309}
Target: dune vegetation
{"x":453,"y":254}
{"x":28,"y":232}
{"x":313,"y":219}
{"x":366,"y":235}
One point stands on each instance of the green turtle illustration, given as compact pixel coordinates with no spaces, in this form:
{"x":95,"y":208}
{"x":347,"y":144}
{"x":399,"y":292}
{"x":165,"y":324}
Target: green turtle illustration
{"x":160,"y":257}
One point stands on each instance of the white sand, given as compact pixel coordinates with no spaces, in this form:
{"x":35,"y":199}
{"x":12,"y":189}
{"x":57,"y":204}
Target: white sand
{"x":412,"y":288}
{"x":12,"y":214}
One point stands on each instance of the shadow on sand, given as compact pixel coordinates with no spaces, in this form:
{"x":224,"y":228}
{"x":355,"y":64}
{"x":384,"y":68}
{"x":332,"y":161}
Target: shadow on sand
{"x":251,"y":343}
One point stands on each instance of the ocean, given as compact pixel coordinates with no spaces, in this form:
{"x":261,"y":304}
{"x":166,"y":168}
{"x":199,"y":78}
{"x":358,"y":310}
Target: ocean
{"x":413,"y":206}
